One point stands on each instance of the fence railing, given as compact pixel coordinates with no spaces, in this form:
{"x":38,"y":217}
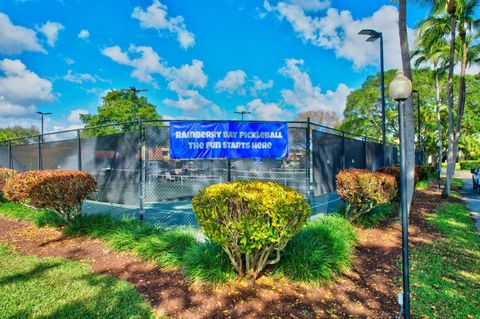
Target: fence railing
{"x":134,"y":168}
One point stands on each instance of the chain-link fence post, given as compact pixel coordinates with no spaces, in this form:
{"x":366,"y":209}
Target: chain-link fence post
{"x":308,"y":158}
{"x":229,"y":170}
{"x":79,"y":151}
{"x":39,"y":152}
{"x":365,"y":151}
{"x":343,"y":151}
{"x":140,"y":170}
{"x":10,"y":157}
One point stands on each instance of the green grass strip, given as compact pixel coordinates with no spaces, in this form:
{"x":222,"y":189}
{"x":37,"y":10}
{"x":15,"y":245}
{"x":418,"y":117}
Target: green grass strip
{"x":318,"y":254}
{"x":40,"y":217}
{"x":32,"y":287}
{"x":445,"y":275}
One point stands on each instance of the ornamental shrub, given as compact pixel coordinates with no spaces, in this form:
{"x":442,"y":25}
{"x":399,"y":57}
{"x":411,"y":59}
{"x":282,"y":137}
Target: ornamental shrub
{"x":469,"y":165}
{"x":251,"y":220}
{"x":424,"y":171}
{"x":5,"y":173}
{"x":59,"y":190}
{"x":364,"y":190}
{"x":395,"y":172}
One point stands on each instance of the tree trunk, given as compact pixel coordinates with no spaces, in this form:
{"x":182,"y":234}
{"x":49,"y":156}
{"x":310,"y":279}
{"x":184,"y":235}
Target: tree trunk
{"x":461,"y":97}
{"x":451,"y":135}
{"x":409,"y":113}
{"x":439,"y":122}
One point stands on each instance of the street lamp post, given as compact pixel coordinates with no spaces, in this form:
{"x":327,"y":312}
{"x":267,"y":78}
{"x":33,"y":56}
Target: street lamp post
{"x":400,"y":90}
{"x":373,"y":36}
{"x":419,"y":123}
{"x":42,"y":114}
{"x":242,"y":113}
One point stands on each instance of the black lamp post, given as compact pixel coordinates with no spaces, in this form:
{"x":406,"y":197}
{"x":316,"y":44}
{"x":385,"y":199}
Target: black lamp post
{"x":42,"y":114}
{"x":373,"y":36}
{"x":135,"y":91}
{"x":419,"y":123}
{"x":400,"y":90}
{"x":141,"y":164}
{"x":242,"y":113}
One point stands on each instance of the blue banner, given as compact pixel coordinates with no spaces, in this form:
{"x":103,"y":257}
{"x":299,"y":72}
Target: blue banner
{"x":189,"y":140}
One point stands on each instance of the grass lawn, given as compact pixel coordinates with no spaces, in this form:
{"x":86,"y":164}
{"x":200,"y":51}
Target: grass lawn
{"x":32,"y":287}
{"x":327,"y":245}
{"x":445,"y":275}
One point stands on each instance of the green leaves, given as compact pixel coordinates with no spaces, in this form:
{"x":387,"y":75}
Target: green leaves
{"x":251,"y":219}
{"x":364,"y":190}
{"x":118,"y":108}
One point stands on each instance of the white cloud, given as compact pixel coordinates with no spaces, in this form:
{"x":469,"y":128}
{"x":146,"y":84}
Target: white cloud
{"x":155,"y":17}
{"x":51,"y":30}
{"x":265,"y":111}
{"x":74,"y":116}
{"x":183,"y":80}
{"x":21,"y":89}
{"x":144,"y":66}
{"x":188,"y":75}
{"x":81,"y":77}
{"x":69,"y":61}
{"x":305,"y":96}
{"x":84,"y":34}
{"x":16,"y":39}
{"x":189,"y":101}
{"x":259,"y":85}
{"x":311,"y":5}
{"x":232,"y":82}
{"x":338,"y":30}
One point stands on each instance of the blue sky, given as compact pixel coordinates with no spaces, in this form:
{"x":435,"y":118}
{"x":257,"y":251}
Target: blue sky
{"x":198,"y":59}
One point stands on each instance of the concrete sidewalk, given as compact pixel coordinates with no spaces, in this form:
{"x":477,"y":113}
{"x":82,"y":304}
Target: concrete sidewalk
{"x":470,"y":196}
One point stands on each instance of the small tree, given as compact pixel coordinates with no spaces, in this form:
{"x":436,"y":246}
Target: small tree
{"x":251,"y":220}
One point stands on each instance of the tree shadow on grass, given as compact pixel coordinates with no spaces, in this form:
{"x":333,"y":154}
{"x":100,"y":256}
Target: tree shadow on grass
{"x":25,"y":276}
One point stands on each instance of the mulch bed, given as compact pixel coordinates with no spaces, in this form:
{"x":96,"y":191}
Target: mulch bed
{"x":367,"y":291}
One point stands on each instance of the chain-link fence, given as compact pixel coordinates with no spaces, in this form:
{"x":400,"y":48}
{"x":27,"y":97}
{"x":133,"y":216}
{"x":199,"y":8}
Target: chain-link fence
{"x":136,"y":175}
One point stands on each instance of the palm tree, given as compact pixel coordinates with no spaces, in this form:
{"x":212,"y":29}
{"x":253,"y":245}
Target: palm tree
{"x":467,"y":27}
{"x":433,"y":50}
{"x":409,"y":113}
{"x":452,"y":9}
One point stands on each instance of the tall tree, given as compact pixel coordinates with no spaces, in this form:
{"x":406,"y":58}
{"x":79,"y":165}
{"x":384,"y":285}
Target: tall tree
{"x":116,"y":109}
{"x":22,"y":135}
{"x":409,"y":113}
{"x":433,"y":49}
{"x":362,"y":114}
{"x":327,"y":118}
{"x":467,"y":23}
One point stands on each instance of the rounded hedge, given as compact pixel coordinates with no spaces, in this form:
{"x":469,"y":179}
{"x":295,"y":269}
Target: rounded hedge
{"x":251,"y":220}
{"x":364,"y":190}
{"x":62,"y":191}
{"x":5,"y":174}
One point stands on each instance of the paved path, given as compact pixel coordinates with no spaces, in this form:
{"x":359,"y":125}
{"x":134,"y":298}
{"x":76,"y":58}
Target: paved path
{"x":470,"y":197}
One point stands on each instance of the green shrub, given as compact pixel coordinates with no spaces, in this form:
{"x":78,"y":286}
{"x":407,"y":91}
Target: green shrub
{"x":208,"y":263}
{"x":395,"y":172}
{"x":319,"y":252}
{"x":251,"y":220}
{"x":58,"y":190}
{"x":364,"y":190}
{"x":469,"y":165}
{"x":5,"y":174}
{"x":424,"y":172}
